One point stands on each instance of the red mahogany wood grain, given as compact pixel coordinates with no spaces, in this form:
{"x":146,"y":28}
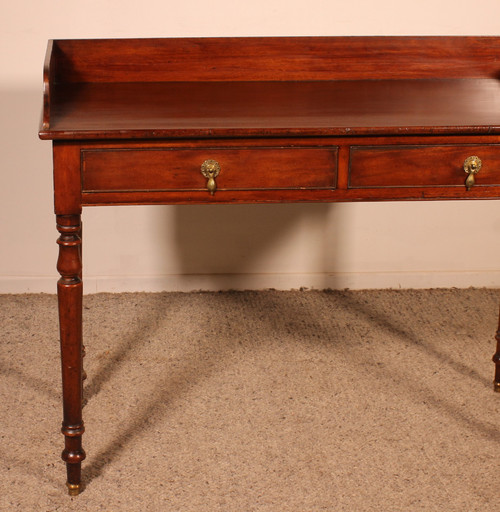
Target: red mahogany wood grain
{"x":277,"y":109}
{"x":305,"y":119}
{"x":276,"y":58}
{"x":421,"y":166}
{"x":179,"y":169}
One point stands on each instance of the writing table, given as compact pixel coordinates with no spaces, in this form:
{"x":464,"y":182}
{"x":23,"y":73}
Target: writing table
{"x":258,"y":120}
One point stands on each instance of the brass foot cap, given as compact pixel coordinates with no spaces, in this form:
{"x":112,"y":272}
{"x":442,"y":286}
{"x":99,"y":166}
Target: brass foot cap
{"x":496,"y":386}
{"x":73,"y":489}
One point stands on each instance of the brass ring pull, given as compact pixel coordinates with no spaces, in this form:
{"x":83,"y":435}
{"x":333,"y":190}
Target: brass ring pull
{"x":472,"y":165}
{"x":210,"y":169}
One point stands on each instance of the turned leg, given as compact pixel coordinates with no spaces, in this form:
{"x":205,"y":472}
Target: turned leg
{"x":70,"y":291}
{"x":496,"y":360}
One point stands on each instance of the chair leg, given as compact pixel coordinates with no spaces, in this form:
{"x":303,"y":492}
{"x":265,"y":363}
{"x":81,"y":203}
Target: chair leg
{"x":496,"y":360}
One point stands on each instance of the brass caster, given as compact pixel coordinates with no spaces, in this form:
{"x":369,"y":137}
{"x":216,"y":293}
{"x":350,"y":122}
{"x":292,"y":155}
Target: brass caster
{"x":496,"y":386}
{"x":73,"y":489}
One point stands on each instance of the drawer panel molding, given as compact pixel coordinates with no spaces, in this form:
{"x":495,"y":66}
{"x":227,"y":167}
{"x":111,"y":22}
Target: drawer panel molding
{"x":421,"y":166}
{"x":179,"y":169}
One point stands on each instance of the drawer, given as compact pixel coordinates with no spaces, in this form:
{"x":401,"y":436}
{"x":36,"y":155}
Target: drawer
{"x":421,"y":166}
{"x":179,"y":169}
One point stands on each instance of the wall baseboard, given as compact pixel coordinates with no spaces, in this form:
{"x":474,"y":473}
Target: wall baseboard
{"x":215,"y":282}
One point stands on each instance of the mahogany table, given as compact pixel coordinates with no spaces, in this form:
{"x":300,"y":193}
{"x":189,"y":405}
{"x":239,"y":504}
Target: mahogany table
{"x":258,"y":120}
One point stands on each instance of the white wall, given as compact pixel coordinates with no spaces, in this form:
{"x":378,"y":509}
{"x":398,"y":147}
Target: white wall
{"x":281,"y":246}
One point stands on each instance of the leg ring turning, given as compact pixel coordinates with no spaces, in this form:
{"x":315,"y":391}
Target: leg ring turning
{"x":73,"y":489}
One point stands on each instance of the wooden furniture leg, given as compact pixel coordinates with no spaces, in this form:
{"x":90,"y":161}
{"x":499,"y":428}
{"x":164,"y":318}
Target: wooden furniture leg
{"x":70,"y":292}
{"x":496,"y":360}
{"x":80,"y":235}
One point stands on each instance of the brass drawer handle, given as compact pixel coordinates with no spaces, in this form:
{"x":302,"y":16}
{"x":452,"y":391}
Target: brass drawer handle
{"x":472,"y":165}
{"x":210,"y":169}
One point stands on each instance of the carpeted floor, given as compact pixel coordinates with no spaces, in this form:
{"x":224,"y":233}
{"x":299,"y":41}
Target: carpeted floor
{"x":258,"y":401}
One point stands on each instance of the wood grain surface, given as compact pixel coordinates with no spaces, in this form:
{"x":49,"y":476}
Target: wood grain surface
{"x":289,"y":120}
{"x":224,"y":109}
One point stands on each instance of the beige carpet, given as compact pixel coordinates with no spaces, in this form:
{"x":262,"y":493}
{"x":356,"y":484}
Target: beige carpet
{"x":258,"y":401}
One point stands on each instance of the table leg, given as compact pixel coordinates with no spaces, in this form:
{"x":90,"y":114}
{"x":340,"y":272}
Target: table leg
{"x":80,"y":234}
{"x":70,"y":291}
{"x":496,"y":360}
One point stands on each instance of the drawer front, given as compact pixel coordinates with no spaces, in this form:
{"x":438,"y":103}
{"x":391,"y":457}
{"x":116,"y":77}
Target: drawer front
{"x":421,"y":166}
{"x":179,"y":169}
